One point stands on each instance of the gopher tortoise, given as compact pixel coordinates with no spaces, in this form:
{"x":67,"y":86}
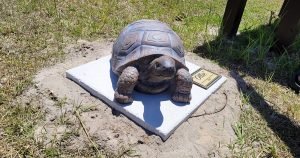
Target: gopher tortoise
{"x":148,"y":56}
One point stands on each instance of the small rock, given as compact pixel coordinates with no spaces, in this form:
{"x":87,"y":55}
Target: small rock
{"x":3,"y":80}
{"x":52,"y":118}
{"x":94,"y":116}
{"x":87,"y":47}
{"x":76,"y":134}
{"x":1,"y":133}
{"x":211,"y":154}
{"x":245,"y":107}
{"x":115,"y":113}
{"x":116,"y":135}
{"x":255,"y":144}
{"x":36,"y":86}
{"x":52,"y":96}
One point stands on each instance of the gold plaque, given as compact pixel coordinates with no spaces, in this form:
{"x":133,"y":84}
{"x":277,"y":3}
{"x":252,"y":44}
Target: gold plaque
{"x":205,"y":78}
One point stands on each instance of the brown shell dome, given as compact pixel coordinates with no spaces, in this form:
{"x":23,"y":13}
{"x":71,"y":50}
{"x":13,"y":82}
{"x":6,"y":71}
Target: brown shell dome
{"x":144,"y":38}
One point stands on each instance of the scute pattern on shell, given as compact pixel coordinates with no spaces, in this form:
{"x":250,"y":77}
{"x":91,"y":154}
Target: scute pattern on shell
{"x":143,"y":38}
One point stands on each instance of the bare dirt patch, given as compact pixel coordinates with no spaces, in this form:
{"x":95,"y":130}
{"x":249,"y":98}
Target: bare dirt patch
{"x":75,"y":120}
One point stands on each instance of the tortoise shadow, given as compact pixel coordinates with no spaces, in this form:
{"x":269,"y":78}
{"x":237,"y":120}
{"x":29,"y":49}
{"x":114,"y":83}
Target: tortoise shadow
{"x":151,"y":102}
{"x":152,"y":106}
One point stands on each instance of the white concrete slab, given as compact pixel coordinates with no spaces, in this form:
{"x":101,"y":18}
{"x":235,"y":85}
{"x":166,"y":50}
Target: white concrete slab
{"x":156,"y":113}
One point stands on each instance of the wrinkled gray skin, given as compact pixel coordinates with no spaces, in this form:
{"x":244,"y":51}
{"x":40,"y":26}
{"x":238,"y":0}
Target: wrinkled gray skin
{"x":154,"y":74}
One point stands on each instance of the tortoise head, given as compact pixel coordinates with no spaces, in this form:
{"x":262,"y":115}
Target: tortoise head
{"x":162,"y":68}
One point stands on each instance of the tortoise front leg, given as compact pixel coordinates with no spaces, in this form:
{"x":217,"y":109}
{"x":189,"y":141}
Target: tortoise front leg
{"x":183,"y":87}
{"x":125,"y":85}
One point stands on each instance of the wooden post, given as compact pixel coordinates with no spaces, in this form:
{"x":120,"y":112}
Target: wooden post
{"x":288,"y":27}
{"x":232,"y":17}
{"x":282,"y":9}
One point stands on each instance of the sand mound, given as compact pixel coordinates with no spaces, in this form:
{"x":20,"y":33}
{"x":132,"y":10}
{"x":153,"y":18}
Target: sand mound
{"x":78,"y":120}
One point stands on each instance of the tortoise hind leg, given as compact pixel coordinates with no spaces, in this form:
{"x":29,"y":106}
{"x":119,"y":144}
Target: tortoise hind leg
{"x":183,"y":87}
{"x":126,"y":84}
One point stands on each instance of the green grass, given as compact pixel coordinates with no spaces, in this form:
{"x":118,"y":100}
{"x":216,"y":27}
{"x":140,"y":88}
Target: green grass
{"x":265,"y":129}
{"x":34,"y":32}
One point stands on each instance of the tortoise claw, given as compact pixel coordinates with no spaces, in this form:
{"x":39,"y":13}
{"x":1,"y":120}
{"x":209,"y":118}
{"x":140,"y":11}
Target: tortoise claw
{"x":124,"y":99}
{"x":181,"y":97}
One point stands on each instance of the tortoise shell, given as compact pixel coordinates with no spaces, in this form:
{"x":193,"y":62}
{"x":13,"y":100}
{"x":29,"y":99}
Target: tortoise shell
{"x":145,"y":38}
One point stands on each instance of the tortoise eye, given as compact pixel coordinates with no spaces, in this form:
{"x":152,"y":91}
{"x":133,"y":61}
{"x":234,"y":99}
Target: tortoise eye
{"x":157,"y":65}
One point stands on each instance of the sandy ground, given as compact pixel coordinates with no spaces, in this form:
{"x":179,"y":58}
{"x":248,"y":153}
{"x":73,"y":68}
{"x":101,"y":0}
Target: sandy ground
{"x":66,"y":104}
